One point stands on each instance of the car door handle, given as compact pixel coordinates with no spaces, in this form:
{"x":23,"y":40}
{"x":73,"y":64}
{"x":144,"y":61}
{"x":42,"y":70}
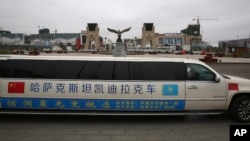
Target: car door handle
{"x":192,"y":87}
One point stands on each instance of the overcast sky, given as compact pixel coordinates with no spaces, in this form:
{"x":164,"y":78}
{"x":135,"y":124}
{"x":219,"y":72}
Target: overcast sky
{"x":168,"y":16}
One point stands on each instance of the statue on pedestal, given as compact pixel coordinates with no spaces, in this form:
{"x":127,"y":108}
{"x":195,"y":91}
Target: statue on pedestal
{"x":119,"y":33}
{"x":119,"y":50}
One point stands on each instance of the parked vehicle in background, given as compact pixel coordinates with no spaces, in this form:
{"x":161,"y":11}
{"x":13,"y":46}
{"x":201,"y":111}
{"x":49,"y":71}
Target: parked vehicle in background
{"x":199,"y":52}
{"x":165,"y":49}
{"x":134,"y":49}
{"x":148,"y":49}
{"x":131,"y":49}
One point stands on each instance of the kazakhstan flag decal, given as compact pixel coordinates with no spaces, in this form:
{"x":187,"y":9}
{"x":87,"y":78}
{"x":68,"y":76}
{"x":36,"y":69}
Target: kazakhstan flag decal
{"x":170,"y":90}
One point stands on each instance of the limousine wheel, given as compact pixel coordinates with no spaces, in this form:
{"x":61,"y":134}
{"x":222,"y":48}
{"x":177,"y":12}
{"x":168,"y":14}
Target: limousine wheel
{"x":240,"y":109}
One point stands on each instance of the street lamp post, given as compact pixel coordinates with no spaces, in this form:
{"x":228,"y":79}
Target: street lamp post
{"x":105,"y":43}
{"x":135,"y":41}
{"x":109,"y":45}
{"x":191,"y":45}
{"x":236,"y":44}
{"x":1,"y":36}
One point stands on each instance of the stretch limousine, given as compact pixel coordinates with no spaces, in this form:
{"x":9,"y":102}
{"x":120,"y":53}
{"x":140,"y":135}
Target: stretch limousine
{"x":120,"y":85}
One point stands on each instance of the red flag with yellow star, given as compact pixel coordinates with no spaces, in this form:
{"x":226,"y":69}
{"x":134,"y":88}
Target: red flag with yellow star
{"x":16,"y":87}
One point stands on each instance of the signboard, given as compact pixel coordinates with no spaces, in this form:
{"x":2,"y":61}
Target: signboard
{"x":89,"y":95}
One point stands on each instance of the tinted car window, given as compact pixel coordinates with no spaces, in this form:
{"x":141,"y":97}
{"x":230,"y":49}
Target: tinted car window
{"x":136,"y":69}
{"x":106,"y":70}
{"x":199,"y":72}
{"x":25,"y":69}
{"x":68,"y":69}
{"x":121,"y":71}
{"x":91,"y":70}
{"x":163,"y":71}
{"x":103,"y":70}
{"x":1,"y":67}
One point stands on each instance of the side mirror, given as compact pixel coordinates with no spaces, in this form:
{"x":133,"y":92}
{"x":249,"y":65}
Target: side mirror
{"x":217,"y":78}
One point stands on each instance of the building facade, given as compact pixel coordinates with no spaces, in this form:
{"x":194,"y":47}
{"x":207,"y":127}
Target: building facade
{"x":239,"y":46}
{"x":187,"y":39}
{"x":148,"y":35}
{"x":44,"y":39}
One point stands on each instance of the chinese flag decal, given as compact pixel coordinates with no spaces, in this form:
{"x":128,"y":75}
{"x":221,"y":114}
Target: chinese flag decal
{"x":16,"y":87}
{"x":233,"y":86}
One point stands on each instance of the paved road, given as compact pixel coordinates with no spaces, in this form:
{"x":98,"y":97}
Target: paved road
{"x":237,"y":69}
{"x":114,"y":128}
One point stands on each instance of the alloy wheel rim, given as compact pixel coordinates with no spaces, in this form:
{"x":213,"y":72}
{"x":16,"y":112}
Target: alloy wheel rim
{"x":244,"y":110}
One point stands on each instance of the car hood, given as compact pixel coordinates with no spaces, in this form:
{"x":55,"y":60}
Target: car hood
{"x":242,"y":83}
{"x":237,"y":78}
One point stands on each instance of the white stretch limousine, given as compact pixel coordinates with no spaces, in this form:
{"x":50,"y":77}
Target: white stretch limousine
{"x":120,"y":85}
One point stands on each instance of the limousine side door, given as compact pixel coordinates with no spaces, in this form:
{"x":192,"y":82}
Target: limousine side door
{"x":203,"y":92}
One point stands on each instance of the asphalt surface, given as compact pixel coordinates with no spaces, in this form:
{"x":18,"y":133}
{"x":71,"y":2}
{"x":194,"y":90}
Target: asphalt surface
{"x":114,"y":128}
{"x":236,"y":69}
{"x":124,"y":128}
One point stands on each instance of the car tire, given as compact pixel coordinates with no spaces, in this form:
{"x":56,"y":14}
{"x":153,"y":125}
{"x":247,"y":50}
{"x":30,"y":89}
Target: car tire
{"x":240,"y":109}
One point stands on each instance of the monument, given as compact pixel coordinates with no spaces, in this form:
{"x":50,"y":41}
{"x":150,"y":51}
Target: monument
{"x":148,"y":35}
{"x":119,"y":50}
{"x":92,"y":37}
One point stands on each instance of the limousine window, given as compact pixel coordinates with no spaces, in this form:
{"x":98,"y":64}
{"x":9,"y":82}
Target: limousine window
{"x":121,"y":71}
{"x":103,"y":70}
{"x":136,"y":69}
{"x":106,"y":70}
{"x":163,"y":71}
{"x":1,"y":66}
{"x":198,"y":72}
{"x":64,"y":69}
{"x":24,"y":69}
{"x":90,"y":70}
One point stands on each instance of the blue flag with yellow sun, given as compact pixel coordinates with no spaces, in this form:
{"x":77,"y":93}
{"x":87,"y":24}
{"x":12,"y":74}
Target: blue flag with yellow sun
{"x":170,"y":90}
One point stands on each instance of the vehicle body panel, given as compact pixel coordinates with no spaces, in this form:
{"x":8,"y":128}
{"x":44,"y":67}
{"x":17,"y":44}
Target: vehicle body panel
{"x":121,"y":95}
